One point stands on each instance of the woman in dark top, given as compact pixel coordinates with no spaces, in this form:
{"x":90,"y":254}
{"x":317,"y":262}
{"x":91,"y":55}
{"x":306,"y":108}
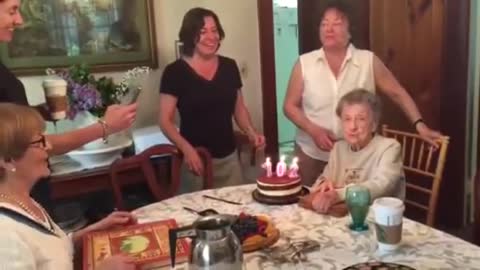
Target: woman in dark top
{"x":205,"y":87}
{"x":12,"y":90}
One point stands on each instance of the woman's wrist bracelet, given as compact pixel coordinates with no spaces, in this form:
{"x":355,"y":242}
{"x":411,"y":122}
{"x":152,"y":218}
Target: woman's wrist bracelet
{"x":420,"y":120}
{"x":104,"y":125}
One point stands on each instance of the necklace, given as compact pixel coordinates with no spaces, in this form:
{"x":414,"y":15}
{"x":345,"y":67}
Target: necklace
{"x":27,"y":209}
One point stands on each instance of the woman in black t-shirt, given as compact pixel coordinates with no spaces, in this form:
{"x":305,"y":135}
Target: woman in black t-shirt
{"x":205,"y":87}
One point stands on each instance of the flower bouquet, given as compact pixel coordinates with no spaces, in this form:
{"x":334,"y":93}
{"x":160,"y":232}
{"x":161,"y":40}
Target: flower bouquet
{"x":88,"y":94}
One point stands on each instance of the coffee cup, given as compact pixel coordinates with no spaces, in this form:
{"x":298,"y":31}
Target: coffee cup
{"x":388,"y":222}
{"x":56,"y":96}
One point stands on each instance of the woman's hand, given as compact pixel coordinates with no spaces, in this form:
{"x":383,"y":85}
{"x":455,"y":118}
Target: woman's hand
{"x":431,"y":136}
{"x":324,"y":200}
{"x":323,"y":138}
{"x":193,"y":161}
{"x":257,"y":140}
{"x":120,"y":117}
{"x":117,"y":262}
{"x":325,"y":186}
{"x":115,"y":219}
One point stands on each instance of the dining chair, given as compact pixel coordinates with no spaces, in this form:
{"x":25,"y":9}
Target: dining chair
{"x":159,"y":188}
{"x":476,"y":197}
{"x":423,"y":167}
{"x":241,"y":140}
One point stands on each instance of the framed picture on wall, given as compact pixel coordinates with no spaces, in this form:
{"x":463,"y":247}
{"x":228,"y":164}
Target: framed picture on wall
{"x":105,"y":34}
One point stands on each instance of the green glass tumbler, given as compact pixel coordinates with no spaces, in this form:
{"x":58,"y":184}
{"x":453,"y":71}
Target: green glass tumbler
{"x":357,"y":199}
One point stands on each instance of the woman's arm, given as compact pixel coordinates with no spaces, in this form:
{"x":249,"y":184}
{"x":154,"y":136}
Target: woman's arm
{"x":68,"y":141}
{"x":166,"y":119}
{"x":117,"y":117}
{"x":292,"y":108}
{"x":243,"y":120}
{"x":387,"y":83}
{"x":324,"y":181}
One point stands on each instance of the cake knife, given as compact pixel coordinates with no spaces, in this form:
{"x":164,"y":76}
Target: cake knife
{"x":222,"y":200}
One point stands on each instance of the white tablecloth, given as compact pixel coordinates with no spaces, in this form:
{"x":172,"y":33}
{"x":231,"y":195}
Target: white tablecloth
{"x":422,"y":247}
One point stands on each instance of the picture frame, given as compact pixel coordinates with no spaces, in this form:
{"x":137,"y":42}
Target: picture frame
{"x":107,"y":35}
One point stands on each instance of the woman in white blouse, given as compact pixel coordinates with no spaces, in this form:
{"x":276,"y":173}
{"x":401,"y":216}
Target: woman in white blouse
{"x":321,"y":77}
{"x":29,"y":239}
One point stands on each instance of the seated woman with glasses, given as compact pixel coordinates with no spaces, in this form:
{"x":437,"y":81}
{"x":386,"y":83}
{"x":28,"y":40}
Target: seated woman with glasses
{"x":28,"y":236}
{"x":361,"y":157}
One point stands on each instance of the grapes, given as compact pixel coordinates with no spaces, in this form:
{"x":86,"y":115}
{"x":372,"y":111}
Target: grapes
{"x":247,"y":226}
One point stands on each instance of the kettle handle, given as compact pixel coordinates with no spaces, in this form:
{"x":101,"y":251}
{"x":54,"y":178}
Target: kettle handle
{"x":173,"y":235}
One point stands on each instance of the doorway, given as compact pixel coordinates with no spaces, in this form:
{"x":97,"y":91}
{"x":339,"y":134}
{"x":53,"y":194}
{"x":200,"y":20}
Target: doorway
{"x":285,"y":21}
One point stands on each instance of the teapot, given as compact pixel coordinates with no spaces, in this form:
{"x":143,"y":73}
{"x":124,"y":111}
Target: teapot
{"x":214,"y":245}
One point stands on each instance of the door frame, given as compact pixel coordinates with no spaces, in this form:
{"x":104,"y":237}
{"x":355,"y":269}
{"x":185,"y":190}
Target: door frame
{"x":267,"y":60}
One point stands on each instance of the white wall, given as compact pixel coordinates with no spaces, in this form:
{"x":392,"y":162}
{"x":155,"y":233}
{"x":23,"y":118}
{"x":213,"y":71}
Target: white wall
{"x":240,"y":22}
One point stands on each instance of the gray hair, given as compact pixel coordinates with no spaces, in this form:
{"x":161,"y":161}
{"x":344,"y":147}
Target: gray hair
{"x":361,"y":96}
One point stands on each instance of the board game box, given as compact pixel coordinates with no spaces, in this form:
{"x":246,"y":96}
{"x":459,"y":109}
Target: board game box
{"x":147,"y":243}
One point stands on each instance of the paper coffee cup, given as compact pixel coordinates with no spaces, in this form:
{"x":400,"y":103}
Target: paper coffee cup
{"x":388,"y":222}
{"x":56,"y":97}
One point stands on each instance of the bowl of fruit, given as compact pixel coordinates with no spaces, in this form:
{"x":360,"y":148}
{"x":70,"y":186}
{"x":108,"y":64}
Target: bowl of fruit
{"x":255,"y":232}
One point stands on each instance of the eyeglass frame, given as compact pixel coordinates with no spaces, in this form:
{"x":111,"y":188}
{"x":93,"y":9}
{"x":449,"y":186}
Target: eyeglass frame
{"x":42,"y":140}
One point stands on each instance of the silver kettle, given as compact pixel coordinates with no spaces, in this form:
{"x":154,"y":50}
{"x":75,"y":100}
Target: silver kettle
{"x":214,"y":245}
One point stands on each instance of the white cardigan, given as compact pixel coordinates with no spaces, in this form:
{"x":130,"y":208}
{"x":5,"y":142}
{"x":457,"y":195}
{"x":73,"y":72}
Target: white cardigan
{"x":23,"y":247}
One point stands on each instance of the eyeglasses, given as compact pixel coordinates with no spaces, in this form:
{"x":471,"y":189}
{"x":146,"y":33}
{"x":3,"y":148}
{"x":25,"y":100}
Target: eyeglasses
{"x":42,"y":142}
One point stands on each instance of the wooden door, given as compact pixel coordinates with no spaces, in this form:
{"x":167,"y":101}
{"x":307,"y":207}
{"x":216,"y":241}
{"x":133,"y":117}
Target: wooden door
{"x":408,"y":37}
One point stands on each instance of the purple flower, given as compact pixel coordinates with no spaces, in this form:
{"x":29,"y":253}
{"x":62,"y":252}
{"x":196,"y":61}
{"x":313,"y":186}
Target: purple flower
{"x":82,"y":97}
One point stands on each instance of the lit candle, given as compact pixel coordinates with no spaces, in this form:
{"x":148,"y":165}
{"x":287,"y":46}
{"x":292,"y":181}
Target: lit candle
{"x":281,"y":167}
{"x":268,"y":167}
{"x":293,"y":172}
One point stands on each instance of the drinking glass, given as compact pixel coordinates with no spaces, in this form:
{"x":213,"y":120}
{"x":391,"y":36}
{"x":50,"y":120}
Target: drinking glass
{"x":357,"y":199}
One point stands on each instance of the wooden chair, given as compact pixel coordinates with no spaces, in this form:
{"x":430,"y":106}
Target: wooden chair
{"x":423,"y":167}
{"x":143,"y":161}
{"x":241,"y":140}
{"x":476,"y":223}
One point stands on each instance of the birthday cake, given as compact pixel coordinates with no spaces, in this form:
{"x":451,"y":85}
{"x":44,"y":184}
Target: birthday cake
{"x":283,"y":186}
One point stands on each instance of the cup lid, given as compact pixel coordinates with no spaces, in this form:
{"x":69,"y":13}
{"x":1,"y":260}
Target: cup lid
{"x":54,"y":82}
{"x":389,"y":202}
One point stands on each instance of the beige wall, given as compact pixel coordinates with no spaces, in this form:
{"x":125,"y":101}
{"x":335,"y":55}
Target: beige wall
{"x":240,"y":22}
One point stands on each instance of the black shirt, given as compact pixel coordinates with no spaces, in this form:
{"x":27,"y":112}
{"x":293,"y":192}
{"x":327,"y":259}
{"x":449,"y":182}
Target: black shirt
{"x":206,"y":107}
{"x":11,"y":88}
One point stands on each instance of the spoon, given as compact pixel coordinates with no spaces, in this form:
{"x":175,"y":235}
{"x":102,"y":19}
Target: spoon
{"x":203,"y":213}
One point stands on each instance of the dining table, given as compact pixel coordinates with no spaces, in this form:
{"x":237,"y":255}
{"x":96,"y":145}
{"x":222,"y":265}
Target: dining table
{"x":422,"y":247}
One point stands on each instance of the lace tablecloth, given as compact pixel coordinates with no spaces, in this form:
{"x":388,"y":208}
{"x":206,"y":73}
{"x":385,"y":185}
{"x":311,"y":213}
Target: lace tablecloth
{"x":422,"y":247}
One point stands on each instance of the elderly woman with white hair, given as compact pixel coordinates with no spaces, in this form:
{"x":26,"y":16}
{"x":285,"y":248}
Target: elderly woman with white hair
{"x":362,"y":157}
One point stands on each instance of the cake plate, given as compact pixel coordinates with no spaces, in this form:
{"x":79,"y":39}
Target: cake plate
{"x":280,"y":200}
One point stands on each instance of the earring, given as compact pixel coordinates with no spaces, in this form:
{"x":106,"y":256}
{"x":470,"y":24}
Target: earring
{"x":13,"y":169}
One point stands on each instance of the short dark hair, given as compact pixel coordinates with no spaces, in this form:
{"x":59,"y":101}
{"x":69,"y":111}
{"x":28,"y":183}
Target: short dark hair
{"x":340,"y":6}
{"x":192,"y":24}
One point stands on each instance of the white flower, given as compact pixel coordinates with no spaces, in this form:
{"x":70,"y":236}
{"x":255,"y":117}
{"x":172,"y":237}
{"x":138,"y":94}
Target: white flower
{"x":132,"y":79}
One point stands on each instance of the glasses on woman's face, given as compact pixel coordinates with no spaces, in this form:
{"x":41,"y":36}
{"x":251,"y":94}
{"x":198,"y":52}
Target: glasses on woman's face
{"x":42,"y":142}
